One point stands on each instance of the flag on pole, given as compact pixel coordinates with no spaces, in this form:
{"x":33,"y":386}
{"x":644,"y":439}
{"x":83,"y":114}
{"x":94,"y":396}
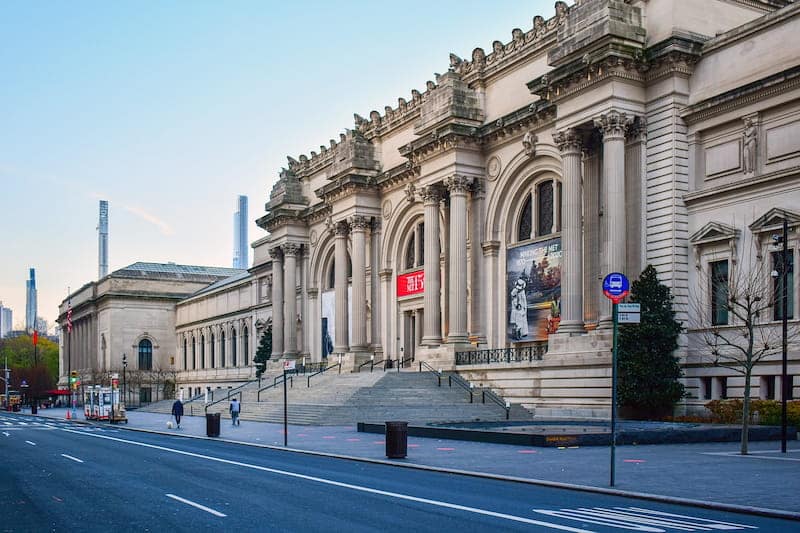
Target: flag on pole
{"x":35,"y":337}
{"x":69,"y":315}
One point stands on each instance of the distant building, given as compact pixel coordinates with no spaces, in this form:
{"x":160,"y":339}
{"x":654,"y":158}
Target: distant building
{"x":240,"y":244}
{"x":6,"y":321}
{"x":30,"y":301}
{"x":102,"y":241}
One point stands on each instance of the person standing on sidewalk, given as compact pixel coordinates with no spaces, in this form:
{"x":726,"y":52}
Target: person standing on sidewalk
{"x":235,"y":408}
{"x":177,"y":412}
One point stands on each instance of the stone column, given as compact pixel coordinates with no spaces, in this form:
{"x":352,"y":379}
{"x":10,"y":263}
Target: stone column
{"x":277,"y":305}
{"x":431,"y":196}
{"x":591,"y":235}
{"x":341,"y":342}
{"x":358,"y":229}
{"x":387,"y":300}
{"x":290,"y":250}
{"x":375,"y":292}
{"x":496,"y":321}
{"x":569,"y":143}
{"x":458,"y":186}
{"x":477,"y":287}
{"x":612,"y":127}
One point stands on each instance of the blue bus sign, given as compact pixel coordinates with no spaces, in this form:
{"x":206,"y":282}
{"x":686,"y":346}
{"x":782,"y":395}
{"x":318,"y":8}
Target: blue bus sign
{"x":616,"y":287}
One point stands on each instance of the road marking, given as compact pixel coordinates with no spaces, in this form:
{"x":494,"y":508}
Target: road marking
{"x":6,"y":433}
{"x":640,"y":519}
{"x":193,"y":504}
{"x":359,"y":488}
{"x":755,"y":455}
{"x":70,"y":457}
{"x":31,"y":443}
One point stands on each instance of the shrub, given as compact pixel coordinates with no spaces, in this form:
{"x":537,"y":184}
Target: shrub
{"x":765,"y":412}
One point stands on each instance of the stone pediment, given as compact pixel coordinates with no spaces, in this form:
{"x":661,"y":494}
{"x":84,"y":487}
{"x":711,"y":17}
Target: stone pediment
{"x":772,"y":220}
{"x":714,"y":232}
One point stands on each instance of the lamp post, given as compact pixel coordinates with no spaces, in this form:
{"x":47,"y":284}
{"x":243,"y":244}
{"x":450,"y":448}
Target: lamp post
{"x":784,"y":278}
{"x":124,"y":382}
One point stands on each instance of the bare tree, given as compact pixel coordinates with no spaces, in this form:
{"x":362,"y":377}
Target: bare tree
{"x":732,"y":320}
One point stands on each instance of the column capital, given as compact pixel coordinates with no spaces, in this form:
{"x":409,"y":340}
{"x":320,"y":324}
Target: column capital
{"x":490,"y":248}
{"x":375,"y":226}
{"x":431,"y":194}
{"x":385,"y":274}
{"x":276,"y":254}
{"x":613,"y":124}
{"x":290,"y":248}
{"x":341,"y":228}
{"x":359,"y":223}
{"x":568,"y":140}
{"x":638,"y":129}
{"x":458,"y":184}
{"x":478,"y":187}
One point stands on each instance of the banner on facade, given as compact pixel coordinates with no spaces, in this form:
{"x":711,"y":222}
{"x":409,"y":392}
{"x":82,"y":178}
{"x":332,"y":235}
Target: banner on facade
{"x":533,"y":289}
{"x":411,"y":283}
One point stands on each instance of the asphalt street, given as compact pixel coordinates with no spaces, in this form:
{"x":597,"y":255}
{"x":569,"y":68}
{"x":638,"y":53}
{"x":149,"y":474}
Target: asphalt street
{"x":57,"y":476}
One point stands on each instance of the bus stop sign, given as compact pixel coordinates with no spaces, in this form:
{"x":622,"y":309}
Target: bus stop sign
{"x":616,"y":287}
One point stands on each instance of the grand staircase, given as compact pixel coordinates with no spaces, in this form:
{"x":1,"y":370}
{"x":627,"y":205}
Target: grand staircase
{"x":344,"y":399}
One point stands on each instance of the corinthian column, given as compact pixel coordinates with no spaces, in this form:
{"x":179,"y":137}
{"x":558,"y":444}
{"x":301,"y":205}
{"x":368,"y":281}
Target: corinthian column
{"x":290,"y":250}
{"x":277,"y":303}
{"x":569,"y":143}
{"x":477,"y":289}
{"x":431,"y":196}
{"x":341,"y":340}
{"x":458,"y":186}
{"x":358,"y":228}
{"x":612,"y":127}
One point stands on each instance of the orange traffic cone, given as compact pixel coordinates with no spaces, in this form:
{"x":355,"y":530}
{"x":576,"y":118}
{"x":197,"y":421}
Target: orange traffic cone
{"x":68,"y":415}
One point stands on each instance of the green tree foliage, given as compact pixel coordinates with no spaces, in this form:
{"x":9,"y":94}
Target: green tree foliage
{"x":40,"y":372}
{"x":648,"y":372}
{"x":264,"y":351}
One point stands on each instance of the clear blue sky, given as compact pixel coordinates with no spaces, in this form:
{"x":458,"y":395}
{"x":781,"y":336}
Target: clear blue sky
{"x":171,"y":109}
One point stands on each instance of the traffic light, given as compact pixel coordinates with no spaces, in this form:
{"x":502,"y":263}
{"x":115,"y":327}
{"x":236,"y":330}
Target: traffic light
{"x":73,"y":379}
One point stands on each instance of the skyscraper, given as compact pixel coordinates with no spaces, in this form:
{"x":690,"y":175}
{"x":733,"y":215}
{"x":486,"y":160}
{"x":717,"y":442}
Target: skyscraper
{"x":6,"y":317}
{"x":240,"y":255}
{"x":30,"y":302}
{"x":102,"y":241}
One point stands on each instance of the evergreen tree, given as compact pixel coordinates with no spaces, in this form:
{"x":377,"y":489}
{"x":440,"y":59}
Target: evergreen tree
{"x":264,"y":351}
{"x":648,"y":372}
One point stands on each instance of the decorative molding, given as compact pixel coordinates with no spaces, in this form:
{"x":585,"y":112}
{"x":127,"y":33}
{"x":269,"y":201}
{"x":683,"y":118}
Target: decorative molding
{"x":529,"y":141}
{"x":431,"y":194}
{"x":290,"y":248}
{"x":386,"y":208}
{"x":613,"y":124}
{"x":458,"y":184}
{"x":568,"y":140}
{"x":360,"y":223}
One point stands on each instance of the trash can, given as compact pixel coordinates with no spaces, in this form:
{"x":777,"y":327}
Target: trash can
{"x":396,"y":440}
{"x":212,"y":424}
{"x":34,"y":408}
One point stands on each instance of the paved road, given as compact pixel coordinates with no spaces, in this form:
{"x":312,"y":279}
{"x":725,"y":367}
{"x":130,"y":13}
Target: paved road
{"x":59,"y":476}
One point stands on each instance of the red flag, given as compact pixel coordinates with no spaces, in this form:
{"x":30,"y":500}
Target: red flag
{"x":69,"y":316}
{"x":35,"y":337}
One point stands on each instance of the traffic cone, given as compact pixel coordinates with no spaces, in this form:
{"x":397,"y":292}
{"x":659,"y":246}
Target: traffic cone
{"x":68,"y":415}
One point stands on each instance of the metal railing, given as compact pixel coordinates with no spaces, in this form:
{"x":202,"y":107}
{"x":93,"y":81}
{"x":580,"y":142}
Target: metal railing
{"x":429,"y":368}
{"x":308,"y":384}
{"x":534,"y":352}
{"x":275,"y":382}
{"x":485,"y":393}
{"x":461,"y":382}
{"x":493,"y":397}
{"x":209,"y":404}
{"x":371,"y":364}
{"x":401,"y":363}
{"x":234,"y":390}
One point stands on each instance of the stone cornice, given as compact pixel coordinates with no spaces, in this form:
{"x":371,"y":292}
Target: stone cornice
{"x":532,"y":117}
{"x":714,"y":194}
{"x":448,"y":138}
{"x":347,"y":185}
{"x":741,"y":96}
{"x":281,"y":216}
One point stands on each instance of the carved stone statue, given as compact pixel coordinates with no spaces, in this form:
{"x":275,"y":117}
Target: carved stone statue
{"x":749,"y":146}
{"x":529,"y":144}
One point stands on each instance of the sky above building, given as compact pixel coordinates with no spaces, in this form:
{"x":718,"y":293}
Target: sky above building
{"x":169,"y":110}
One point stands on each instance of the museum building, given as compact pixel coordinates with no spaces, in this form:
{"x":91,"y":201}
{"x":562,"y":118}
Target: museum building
{"x":469,"y":225}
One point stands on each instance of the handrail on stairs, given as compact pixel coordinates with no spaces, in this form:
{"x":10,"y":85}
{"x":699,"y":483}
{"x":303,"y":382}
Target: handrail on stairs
{"x":323,"y":370}
{"x":494,"y":397}
{"x":228,"y":397}
{"x":275,"y":383}
{"x":371,"y":364}
{"x":461,"y":382}
{"x":429,"y":368}
{"x":402,"y":362}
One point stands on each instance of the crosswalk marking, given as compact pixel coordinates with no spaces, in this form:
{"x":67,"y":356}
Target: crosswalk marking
{"x":640,"y":519}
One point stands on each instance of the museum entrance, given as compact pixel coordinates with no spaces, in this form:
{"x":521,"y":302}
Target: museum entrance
{"x":411,"y":334}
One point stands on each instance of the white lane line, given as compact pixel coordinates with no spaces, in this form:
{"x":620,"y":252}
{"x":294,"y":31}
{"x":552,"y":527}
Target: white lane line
{"x":72,"y":458}
{"x":31,"y":443}
{"x":193,"y":504}
{"x":359,"y":488}
{"x":753,"y":456}
{"x":6,"y":433}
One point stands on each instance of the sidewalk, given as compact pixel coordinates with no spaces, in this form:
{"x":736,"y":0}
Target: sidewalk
{"x":713,"y":473}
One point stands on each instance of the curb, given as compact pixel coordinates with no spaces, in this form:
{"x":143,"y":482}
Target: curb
{"x":717,"y":506}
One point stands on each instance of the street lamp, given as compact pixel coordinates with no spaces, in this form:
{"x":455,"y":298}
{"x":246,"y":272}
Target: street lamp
{"x":124,"y":387}
{"x":784,"y":273}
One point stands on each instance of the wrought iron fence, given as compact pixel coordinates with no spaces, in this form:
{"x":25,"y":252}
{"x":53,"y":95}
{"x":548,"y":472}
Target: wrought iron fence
{"x":534,"y":352}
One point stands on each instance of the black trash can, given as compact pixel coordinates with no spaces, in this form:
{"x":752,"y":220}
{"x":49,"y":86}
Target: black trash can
{"x":212,"y":424}
{"x":396,"y":440}
{"x":34,"y":408}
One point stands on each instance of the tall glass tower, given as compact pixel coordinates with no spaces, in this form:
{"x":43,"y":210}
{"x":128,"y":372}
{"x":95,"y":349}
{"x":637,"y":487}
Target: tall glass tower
{"x":30,"y":302}
{"x":240,"y":255}
{"x":102,"y":240}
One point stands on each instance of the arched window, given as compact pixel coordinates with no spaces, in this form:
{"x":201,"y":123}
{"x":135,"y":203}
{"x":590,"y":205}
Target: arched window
{"x":415,"y":248}
{"x":212,"y":351}
{"x":246,"y":339}
{"x":185,"y":354}
{"x":332,"y":275}
{"x":411,"y":254}
{"x":539,"y":216}
{"x":202,"y":351}
{"x":222,"y":349}
{"x":233,"y":346}
{"x":145,"y":355}
{"x":194,"y":353}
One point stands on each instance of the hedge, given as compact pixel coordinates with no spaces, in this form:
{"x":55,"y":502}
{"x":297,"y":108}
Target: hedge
{"x":762,"y":412}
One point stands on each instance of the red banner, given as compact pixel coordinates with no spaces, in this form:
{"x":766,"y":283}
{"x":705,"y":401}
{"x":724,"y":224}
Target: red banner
{"x":411,"y":283}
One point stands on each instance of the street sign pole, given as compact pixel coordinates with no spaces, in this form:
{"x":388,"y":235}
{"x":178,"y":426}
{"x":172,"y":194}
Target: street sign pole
{"x":614,"y":392}
{"x":285,"y":412}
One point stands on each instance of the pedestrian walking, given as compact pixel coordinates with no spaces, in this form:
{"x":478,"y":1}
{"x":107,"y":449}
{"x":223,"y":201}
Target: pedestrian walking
{"x":235,"y":409}
{"x":177,"y":412}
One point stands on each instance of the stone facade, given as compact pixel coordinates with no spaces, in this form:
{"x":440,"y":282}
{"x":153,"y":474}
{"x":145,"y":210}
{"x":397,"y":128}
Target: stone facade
{"x":612,"y":135}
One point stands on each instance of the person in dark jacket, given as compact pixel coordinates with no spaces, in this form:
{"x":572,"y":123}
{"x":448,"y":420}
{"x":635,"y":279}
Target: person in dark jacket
{"x":177,"y":412}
